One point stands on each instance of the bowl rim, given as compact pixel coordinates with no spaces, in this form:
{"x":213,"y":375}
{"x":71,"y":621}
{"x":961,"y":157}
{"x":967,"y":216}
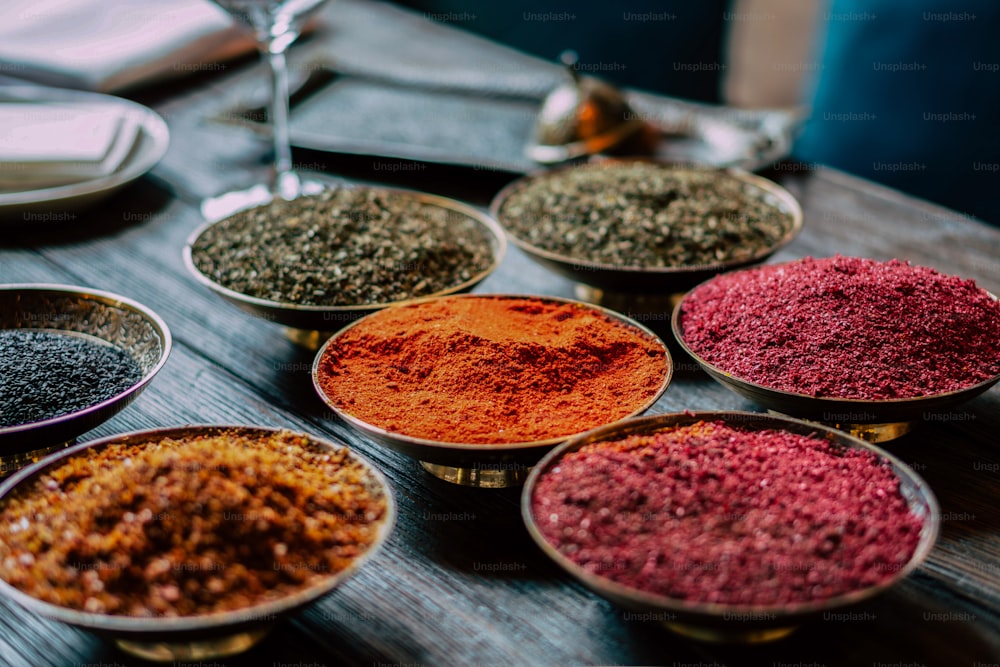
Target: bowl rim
{"x":414,"y":441}
{"x":254,"y":614}
{"x":775,"y":614}
{"x":108,"y":299}
{"x":790,"y":205}
{"x":497,"y":242}
{"x":715,"y":371}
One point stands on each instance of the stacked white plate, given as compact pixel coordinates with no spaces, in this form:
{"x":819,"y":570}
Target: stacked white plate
{"x":61,"y":150}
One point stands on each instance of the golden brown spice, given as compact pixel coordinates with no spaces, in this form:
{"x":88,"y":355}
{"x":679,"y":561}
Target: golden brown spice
{"x":189,"y":526}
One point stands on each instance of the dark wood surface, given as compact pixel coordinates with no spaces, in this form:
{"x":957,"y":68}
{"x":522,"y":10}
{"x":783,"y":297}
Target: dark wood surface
{"x":430,"y":598}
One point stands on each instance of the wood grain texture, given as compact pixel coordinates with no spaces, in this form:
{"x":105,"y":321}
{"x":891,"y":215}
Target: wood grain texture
{"x":460,"y":582}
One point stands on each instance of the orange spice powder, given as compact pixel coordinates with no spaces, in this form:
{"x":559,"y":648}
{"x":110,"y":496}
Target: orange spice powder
{"x":491,"y":370}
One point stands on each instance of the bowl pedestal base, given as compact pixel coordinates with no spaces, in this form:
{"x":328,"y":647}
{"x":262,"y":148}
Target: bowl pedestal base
{"x":733,"y":635}
{"x":488,"y":476}
{"x":11,"y":463}
{"x":309,"y":339}
{"x":873,"y":433}
{"x":194,"y":650}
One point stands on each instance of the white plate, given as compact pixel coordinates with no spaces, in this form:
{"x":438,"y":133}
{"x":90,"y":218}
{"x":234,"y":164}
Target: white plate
{"x":56,"y":204}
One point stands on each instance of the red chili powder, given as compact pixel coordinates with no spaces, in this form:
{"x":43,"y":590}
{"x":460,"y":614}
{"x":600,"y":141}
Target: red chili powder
{"x":846,"y":327}
{"x":489,"y":370}
{"x":711,"y":513}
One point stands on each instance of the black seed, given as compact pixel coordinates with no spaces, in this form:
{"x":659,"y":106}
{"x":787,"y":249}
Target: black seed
{"x":45,"y":374}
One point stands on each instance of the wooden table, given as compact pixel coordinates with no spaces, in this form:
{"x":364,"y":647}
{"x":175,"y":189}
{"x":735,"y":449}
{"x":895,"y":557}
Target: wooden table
{"x":460,"y":582}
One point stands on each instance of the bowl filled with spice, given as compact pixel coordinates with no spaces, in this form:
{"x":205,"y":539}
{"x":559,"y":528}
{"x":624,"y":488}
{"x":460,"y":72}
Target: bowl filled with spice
{"x":70,"y":359}
{"x":321,"y":261}
{"x":634,"y":232}
{"x":730,"y":526}
{"x":189,"y":543}
{"x":478,"y":387}
{"x":870,"y":347}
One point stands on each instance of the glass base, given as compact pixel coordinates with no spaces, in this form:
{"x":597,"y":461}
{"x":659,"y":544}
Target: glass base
{"x":228,"y":203}
{"x":11,"y":463}
{"x":487,"y":476}
{"x":730,"y":635}
{"x":192,"y":651}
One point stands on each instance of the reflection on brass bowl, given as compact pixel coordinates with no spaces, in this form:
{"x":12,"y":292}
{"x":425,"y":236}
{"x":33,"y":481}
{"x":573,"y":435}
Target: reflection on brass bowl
{"x":309,"y":325}
{"x":872,"y":420}
{"x":196,"y":637}
{"x":124,"y":323}
{"x":726,"y":622}
{"x":480,"y":465}
{"x":635,"y":289}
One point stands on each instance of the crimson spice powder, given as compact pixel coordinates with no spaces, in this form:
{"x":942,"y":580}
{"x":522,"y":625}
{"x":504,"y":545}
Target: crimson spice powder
{"x":845,"y":327}
{"x":491,"y":370}
{"x":715,"y":514}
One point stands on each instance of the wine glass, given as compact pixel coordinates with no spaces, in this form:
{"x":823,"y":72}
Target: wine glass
{"x":275,"y":25}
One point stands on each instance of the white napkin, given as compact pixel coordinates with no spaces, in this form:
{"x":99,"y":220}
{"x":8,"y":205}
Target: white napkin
{"x":107,"y":45}
{"x":44,"y":145}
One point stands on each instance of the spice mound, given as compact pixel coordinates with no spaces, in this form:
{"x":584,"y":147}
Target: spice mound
{"x":845,"y":327}
{"x":714,"y":514}
{"x":344,"y":247}
{"x":645,"y":215}
{"x":189,"y":526}
{"x":46,"y":374}
{"x":491,"y":370}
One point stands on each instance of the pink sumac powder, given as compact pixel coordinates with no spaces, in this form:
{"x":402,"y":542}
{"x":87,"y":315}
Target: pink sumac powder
{"x":844,"y":327}
{"x":711,"y":513}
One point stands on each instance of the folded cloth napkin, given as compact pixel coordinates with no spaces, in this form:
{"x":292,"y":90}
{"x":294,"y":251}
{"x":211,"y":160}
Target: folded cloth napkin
{"x":108,"y":45}
{"x":45,"y":145}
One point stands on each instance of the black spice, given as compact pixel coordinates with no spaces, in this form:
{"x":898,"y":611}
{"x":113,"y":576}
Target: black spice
{"x":44,"y":374}
{"x":342,"y":248}
{"x":644,"y":215}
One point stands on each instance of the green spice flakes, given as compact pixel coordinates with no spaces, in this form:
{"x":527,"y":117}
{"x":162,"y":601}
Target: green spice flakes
{"x":344,"y":247}
{"x":645,"y":215}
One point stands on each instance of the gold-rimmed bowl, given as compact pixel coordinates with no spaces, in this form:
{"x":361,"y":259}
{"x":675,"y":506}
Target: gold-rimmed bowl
{"x":310,"y":325}
{"x":639,"y":288}
{"x":110,"y":319}
{"x":728,"y":623}
{"x":482,"y":465}
{"x":874,"y":420}
{"x":203,"y":636}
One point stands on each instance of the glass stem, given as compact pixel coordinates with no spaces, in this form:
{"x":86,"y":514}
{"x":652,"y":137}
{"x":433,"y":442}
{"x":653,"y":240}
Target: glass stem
{"x":285,"y":182}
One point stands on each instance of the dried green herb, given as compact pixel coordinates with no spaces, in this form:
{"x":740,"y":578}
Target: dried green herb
{"x":343,"y":247}
{"x":644,"y":215}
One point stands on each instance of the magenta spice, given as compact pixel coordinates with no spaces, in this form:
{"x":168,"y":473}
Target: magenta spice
{"x":711,"y":513}
{"x":845,"y":327}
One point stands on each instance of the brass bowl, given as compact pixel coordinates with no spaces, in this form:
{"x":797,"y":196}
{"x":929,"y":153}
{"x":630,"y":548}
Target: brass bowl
{"x":716,"y":622}
{"x":641,"y":289}
{"x":872,"y":420}
{"x":480,"y":465}
{"x":309,"y":325}
{"x":122,"y":322}
{"x":204,"y":636}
